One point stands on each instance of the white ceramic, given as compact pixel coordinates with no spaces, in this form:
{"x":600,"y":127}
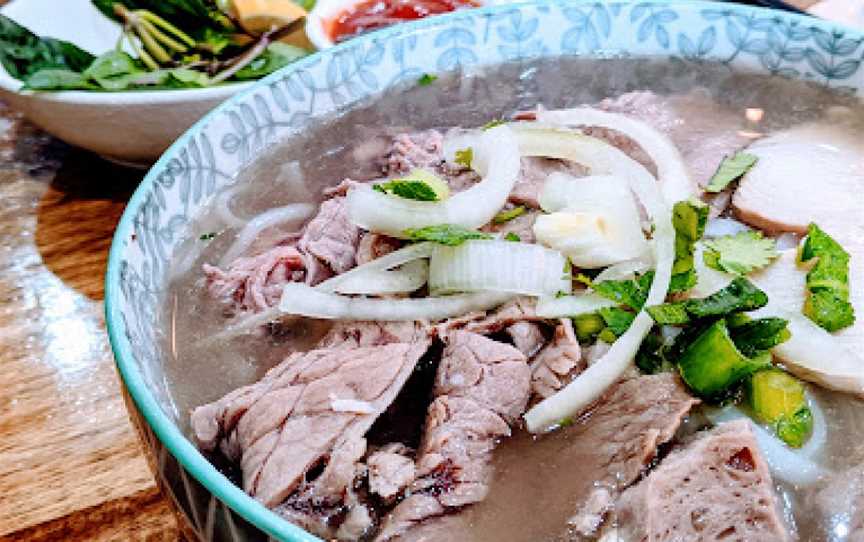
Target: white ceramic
{"x":130,"y":127}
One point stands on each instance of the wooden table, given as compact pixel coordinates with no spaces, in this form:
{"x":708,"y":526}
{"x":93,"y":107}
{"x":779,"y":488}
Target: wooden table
{"x":70,"y":464}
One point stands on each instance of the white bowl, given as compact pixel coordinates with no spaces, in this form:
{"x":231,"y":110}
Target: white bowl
{"x":132,"y":127}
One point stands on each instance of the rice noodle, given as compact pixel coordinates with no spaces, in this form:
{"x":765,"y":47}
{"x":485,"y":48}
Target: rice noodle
{"x":797,"y":467}
{"x":303,"y":300}
{"x":601,"y":157}
{"x":289,"y":216}
{"x":496,"y":156}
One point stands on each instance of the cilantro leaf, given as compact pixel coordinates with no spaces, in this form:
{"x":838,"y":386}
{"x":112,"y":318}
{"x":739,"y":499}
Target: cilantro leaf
{"x":689,"y":219}
{"x":508,"y":215}
{"x":827,"y":301}
{"x":741,"y":253}
{"x":514,"y":237}
{"x":419,"y":185}
{"x":669,"y":313}
{"x":464,"y":157}
{"x":617,"y":320}
{"x":445,"y":234}
{"x":631,"y":293}
{"x":426,"y":79}
{"x":731,"y":168}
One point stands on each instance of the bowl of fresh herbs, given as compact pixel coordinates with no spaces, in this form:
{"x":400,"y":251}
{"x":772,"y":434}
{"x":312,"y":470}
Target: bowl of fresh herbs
{"x":124,"y":78}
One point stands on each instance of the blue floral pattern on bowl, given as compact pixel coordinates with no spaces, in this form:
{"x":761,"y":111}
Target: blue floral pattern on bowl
{"x":211,"y":153}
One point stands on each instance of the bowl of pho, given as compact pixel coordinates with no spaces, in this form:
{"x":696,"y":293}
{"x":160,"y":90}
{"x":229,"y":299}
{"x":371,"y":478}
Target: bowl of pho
{"x":543,"y":271}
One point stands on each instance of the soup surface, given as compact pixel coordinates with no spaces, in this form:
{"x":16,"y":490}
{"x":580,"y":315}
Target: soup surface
{"x":535,"y":488}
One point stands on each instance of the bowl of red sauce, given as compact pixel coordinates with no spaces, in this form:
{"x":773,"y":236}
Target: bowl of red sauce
{"x":334,"y":21}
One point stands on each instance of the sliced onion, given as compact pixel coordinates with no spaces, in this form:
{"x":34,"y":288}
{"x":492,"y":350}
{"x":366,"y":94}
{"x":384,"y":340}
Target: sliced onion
{"x":788,"y":240}
{"x":596,"y":222}
{"x":289,"y":216}
{"x":384,"y":263}
{"x":496,"y":156}
{"x":788,"y":464}
{"x":624,"y":270}
{"x":300,"y":299}
{"x":569,"y":306}
{"x":408,"y":278}
{"x":502,"y":266}
{"x":672,"y":172}
{"x":708,"y":279}
{"x":718,"y":227}
{"x":603,"y":158}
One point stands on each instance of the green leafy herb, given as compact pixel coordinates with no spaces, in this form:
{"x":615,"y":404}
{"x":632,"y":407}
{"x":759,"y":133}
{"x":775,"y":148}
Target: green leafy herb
{"x":426,"y":79}
{"x":464,"y":157}
{"x":741,"y":253}
{"x":207,"y":236}
{"x":731,"y":168}
{"x":57,"y":79}
{"x":755,"y":336}
{"x":22,"y":53}
{"x":739,"y":295}
{"x":493,"y":123}
{"x":689,"y":219}
{"x":419,"y":185}
{"x":617,"y":320}
{"x":198,"y":14}
{"x":514,"y":237}
{"x":827,"y":301}
{"x":276,"y":56}
{"x":631,"y":293}
{"x":508,"y":215}
{"x":445,"y":234}
{"x":669,"y":314}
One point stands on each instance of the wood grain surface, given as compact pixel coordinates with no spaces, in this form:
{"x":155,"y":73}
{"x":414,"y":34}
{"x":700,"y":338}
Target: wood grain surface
{"x":70,"y":464}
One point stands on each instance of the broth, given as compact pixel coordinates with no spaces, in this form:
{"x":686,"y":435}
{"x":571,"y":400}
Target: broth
{"x":527,"y":469}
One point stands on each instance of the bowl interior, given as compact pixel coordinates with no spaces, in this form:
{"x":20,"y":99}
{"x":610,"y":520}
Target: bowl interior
{"x":210,"y":155}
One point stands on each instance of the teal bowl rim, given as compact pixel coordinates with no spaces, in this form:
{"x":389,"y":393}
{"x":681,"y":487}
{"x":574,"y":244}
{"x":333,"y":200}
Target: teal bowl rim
{"x":169,"y":434}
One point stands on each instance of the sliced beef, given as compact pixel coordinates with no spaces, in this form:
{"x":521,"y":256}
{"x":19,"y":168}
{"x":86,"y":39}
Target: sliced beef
{"x":703,"y":131}
{"x":717,"y":488}
{"x":527,"y":337}
{"x":414,"y":150}
{"x":481,"y":386}
{"x":331,"y":236}
{"x":607,"y":449}
{"x":520,"y":309}
{"x":370,"y":333}
{"x":310,"y":411}
{"x":557,"y":363}
{"x":391,"y":469}
{"x":255,"y":283}
{"x":375,"y":245}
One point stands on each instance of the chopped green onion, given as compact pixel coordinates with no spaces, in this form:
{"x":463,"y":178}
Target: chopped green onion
{"x":689,"y":219}
{"x":445,"y":234}
{"x":827,"y":301}
{"x":493,"y":123}
{"x":514,"y":238}
{"x":426,"y":79}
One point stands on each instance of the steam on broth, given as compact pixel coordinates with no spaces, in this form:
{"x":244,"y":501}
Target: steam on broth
{"x":537,"y":483}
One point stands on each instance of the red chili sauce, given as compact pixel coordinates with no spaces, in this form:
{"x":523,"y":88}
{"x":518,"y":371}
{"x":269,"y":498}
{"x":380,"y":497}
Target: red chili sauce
{"x":372,"y":14}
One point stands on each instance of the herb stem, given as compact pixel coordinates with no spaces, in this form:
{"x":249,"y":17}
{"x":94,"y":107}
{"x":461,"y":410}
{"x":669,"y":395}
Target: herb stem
{"x":143,"y":55}
{"x":163,"y":38}
{"x":256,"y":49}
{"x":166,"y":26}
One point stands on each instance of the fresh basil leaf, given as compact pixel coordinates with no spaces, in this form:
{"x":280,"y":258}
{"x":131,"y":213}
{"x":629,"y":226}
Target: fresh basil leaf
{"x":57,"y":79}
{"x":23,"y":53}
{"x":730,"y":169}
{"x":445,"y":234}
